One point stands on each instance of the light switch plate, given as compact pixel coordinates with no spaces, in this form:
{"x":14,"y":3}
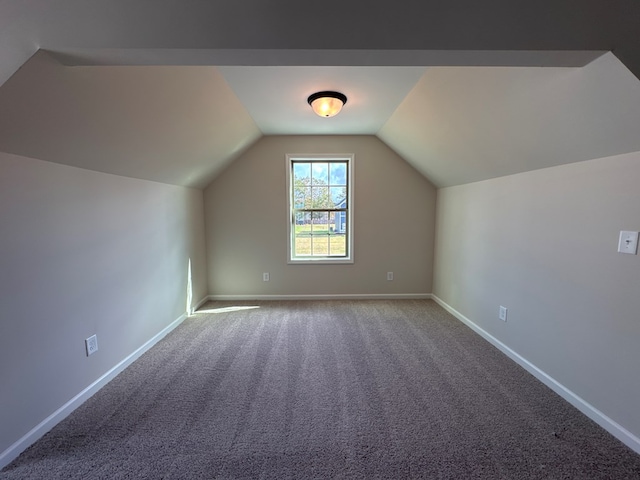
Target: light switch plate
{"x":628,"y":242}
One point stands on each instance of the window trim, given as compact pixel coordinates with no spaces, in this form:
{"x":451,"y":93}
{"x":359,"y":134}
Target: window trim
{"x":350,"y":158}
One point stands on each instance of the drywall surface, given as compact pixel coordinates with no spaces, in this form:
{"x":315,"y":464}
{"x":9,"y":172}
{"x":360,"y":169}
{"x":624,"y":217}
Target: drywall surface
{"x":85,"y":253}
{"x":463,"y":125}
{"x":246,"y":221}
{"x":544,"y":245}
{"x":154,"y":115}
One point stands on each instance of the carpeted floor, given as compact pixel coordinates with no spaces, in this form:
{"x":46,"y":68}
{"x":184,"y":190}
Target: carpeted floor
{"x":325,"y":389}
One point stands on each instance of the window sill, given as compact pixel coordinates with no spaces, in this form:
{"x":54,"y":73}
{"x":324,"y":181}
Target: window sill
{"x":320,"y":261}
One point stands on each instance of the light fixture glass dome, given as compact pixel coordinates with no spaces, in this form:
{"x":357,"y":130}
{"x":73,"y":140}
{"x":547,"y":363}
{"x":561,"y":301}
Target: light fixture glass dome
{"x":327,"y":104}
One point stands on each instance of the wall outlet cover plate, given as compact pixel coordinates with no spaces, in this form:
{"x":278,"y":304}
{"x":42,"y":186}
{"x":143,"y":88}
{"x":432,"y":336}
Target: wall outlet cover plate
{"x":91,"y":344}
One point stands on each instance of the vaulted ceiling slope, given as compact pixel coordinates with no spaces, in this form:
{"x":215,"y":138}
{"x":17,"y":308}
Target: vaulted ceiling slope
{"x":173,"y":91}
{"x":461,"y":125}
{"x":172,"y":125}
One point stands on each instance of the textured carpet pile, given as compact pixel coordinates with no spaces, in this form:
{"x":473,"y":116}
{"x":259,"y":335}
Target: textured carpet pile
{"x":325,"y":389}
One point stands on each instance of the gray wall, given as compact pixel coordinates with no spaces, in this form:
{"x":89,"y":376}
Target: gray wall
{"x":85,"y":253}
{"x":544,"y":244}
{"x":246,"y":222}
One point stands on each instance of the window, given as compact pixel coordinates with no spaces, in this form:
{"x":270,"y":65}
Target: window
{"x":320,"y":211}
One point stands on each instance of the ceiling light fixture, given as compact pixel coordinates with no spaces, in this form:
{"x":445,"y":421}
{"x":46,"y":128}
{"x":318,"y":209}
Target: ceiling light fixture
{"x":327,"y":104}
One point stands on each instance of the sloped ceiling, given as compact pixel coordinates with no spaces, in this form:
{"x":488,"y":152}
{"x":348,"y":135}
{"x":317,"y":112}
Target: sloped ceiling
{"x":172,"y":125}
{"x":174,"y":91}
{"x":461,"y":125}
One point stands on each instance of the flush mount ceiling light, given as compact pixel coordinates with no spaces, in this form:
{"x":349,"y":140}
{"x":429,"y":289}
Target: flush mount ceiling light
{"x":327,"y":104}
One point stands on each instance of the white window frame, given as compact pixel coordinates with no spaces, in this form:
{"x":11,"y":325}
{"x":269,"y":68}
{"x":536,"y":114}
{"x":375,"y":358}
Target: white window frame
{"x":349,"y":158}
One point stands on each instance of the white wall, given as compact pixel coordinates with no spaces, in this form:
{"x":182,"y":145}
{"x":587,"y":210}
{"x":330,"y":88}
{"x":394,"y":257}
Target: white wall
{"x":544,"y":244}
{"x":84,"y":253}
{"x":246,"y":221}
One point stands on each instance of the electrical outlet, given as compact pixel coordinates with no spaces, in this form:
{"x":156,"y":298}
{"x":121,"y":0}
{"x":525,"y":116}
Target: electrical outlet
{"x":502,"y":313}
{"x":265,"y":277}
{"x":389,"y":276}
{"x":91,"y":344}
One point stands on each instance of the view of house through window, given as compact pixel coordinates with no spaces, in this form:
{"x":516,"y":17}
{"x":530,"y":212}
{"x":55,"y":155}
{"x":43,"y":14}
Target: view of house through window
{"x":320,"y":208}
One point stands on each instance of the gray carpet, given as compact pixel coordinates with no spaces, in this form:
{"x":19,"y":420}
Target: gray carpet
{"x":326,"y":389}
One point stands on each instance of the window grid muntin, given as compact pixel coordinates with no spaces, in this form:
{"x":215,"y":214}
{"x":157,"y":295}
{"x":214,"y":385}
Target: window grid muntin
{"x":304,"y":211}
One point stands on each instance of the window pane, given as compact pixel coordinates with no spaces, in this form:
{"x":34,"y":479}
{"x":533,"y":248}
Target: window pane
{"x":320,"y":223}
{"x":338,"y":245}
{"x":338,"y":197}
{"x":338,"y":222}
{"x":302,"y":171}
{"x":302,"y":197}
{"x":321,"y":245}
{"x":320,"y":173}
{"x":337,"y":236}
{"x":302,"y":245}
{"x":320,"y":197}
{"x":338,"y":173}
{"x":303,"y":222}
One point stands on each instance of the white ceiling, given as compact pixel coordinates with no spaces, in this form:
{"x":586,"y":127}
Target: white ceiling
{"x":276,"y":97}
{"x":174,"y":94}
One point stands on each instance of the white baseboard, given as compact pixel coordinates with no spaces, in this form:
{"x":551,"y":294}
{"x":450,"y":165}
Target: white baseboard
{"x":200,"y":303}
{"x":329,"y":296}
{"x":56,"y":417}
{"x":615,"y":429}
